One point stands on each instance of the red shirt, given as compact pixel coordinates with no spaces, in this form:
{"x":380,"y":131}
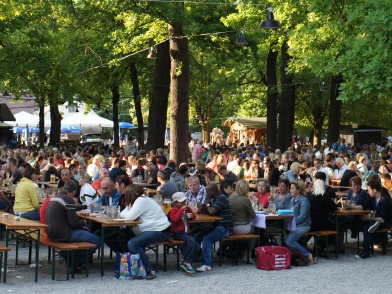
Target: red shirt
{"x":263,"y":199}
{"x":42,"y":211}
{"x":177,"y":225}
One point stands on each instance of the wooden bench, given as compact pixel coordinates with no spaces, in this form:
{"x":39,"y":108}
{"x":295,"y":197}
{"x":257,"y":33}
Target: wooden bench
{"x":321,"y":235}
{"x":2,"y":250}
{"x":236,"y":239}
{"x":55,"y":248}
{"x":384,"y":235}
{"x":166,"y":246}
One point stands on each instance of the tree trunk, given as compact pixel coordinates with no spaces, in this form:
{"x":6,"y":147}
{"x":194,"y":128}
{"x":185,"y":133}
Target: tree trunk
{"x":318,"y":117}
{"x":138,"y":105}
{"x":160,"y":98}
{"x":115,"y":99}
{"x":335,"y":110}
{"x":179,"y":74}
{"x":272,"y":99}
{"x":41,"y":123}
{"x":286,"y":104}
{"x":55,"y":127}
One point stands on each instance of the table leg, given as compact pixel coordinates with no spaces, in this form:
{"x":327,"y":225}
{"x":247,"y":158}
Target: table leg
{"x":102,"y":251}
{"x":337,"y":236}
{"x":5,"y":256}
{"x":37,"y":243}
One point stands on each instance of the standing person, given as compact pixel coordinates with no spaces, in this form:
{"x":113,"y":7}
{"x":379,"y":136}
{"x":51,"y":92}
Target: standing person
{"x":197,"y":150}
{"x":382,"y":217}
{"x":222,"y":228}
{"x":26,"y":202}
{"x":301,"y":208}
{"x":181,"y":230}
{"x":63,"y":223}
{"x":154,"y":226}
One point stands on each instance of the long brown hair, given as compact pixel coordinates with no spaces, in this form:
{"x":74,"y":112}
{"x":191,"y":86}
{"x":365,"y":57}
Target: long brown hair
{"x":132,"y":192}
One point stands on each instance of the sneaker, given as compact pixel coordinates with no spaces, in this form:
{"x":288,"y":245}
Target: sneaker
{"x":204,"y":268}
{"x":187,"y":267}
{"x":151,"y":275}
{"x":363,"y":255}
{"x":373,"y":227}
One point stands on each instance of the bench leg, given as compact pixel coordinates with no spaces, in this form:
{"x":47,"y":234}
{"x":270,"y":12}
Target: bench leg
{"x":165,"y":251}
{"x":53,"y":263}
{"x":220,"y":252}
{"x":178,"y":258}
{"x":1,"y":263}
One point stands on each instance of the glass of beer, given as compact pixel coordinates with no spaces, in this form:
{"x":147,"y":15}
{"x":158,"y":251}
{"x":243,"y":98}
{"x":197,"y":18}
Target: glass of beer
{"x":52,"y":178}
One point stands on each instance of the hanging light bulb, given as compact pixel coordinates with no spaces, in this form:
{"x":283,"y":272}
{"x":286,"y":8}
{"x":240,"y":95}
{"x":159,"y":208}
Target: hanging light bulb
{"x":152,"y":54}
{"x":270,"y":22}
{"x":241,"y":38}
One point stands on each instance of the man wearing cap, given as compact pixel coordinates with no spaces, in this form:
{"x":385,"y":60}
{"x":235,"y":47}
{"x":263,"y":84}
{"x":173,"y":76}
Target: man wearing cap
{"x":180,"y":215}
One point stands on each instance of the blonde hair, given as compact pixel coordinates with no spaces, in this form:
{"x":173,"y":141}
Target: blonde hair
{"x":242,"y":187}
{"x":300,"y":185}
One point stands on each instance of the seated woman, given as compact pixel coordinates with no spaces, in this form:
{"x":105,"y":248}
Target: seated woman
{"x":262,"y":195}
{"x":242,"y":212}
{"x":322,"y":208}
{"x":120,"y":183}
{"x":301,"y":208}
{"x":282,"y":199}
{"x":87,"y":192}
{"x":26,"y":201}
{"x":154,"y":226}
{"x":211,"y":176}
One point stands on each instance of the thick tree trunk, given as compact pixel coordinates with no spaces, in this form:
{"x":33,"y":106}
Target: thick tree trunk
{"x":160,"y":98}
{"x":115,"y":99}
{"x":179,"y":74}
{"x":318,"y":116}
{"x":272,"y":99}
{"x":335,"y":110}
{"x":286,"y":104}
{"x":138,"y":105}
{"x":55,"y":127}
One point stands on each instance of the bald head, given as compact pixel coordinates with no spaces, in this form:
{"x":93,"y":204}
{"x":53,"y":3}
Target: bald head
{"x":103,"y":173}
{"x":107,"y":185}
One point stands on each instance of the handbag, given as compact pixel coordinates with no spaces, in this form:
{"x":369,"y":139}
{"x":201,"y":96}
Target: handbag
{"x":273,"y":258}
{"x":129,"y":267}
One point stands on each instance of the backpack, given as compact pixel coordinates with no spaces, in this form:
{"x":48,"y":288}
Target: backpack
{"x":298,"y":258}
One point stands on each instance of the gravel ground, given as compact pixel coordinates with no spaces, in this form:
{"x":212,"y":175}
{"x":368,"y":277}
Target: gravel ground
{"x":343,"y":275}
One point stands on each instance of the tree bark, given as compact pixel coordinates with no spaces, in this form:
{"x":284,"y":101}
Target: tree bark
{"x":138,"y":105}
{"x":41,"y":122}
{"x":335,"y":110}
{"x":272,"y":99}
{"x":179,"y":74}
{"x":115,"y":99}
{"x":55,"y":127}
{"x":318,"y":116}
{"x":287,"y":102}
{"x":159,"y":99}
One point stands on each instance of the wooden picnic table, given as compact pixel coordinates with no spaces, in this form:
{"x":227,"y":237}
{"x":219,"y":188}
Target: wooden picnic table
{"x":203,"y":218}
{"x":49,"y":184}
{"x":112,"y":226}
{"x":24,"y":227}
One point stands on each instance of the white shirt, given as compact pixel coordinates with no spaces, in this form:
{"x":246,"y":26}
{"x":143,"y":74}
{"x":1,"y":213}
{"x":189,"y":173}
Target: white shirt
{"x":87,"y":193}
{"x":324,"y":171}
{"x":232,"y":164}
{"x":342,"y":170}
{"x":92,"y":169}
{"x":149,"y":213}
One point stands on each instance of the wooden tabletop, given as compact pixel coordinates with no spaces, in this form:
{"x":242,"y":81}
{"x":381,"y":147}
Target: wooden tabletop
{"x":10,"y":223}
{"x":342,"y":212}
{"x":202,"y":218}
{"x":108,"y":222}
{"x":146,"y":185}
{"x":341,"y":194}
{"x":277,"y":217}
{"x":340,"y":187}
{"x":49,"y":184}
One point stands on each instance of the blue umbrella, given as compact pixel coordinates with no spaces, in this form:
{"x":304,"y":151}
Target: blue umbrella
{"x":126,"y":125}
{"x":74,"y":129}
{"x":65,"y":130}
{"x":17,"y":130}
{"x":33,"y":130}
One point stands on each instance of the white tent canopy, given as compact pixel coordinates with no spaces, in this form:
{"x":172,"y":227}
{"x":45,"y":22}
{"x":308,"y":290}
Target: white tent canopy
{"x":90,"y":119}
{"x":24,"y":118}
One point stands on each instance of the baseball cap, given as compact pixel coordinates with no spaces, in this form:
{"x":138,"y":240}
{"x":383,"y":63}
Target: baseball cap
{"x":179,"y":196}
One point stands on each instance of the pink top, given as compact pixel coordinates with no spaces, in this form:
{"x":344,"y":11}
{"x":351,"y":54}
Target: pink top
{"x":264,"y":198}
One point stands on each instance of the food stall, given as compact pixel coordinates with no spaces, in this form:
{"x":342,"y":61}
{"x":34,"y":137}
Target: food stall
{"x":247,"y":130}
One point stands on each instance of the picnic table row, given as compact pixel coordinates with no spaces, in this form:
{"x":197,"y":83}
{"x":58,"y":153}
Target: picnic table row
{"x":27,"y":228}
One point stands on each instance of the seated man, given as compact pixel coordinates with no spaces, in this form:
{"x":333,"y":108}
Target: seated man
{"x":167,"y":188}
{"x":63,"y":223}
{"x":223,"y":228}
{"x":103,"y":173}
{"x":382,"y":217}
{"x":227,"y":175}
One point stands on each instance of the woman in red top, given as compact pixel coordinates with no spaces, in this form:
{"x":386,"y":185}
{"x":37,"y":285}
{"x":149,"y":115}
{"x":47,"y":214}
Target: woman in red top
{"x":262,"y":194}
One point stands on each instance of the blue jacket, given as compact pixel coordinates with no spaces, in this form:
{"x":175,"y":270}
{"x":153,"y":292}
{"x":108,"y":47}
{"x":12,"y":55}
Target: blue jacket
{"x":115,"y":198}
{"x":301,"y":209}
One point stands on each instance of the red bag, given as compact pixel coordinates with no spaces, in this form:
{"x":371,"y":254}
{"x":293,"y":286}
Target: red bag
{"x":273,"y":258}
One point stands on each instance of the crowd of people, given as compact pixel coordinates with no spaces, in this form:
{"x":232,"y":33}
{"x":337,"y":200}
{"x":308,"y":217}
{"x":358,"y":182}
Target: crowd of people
{"x":218,"y":184}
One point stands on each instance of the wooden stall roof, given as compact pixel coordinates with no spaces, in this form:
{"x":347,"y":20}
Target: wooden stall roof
{"x":252,"y":122}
